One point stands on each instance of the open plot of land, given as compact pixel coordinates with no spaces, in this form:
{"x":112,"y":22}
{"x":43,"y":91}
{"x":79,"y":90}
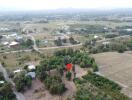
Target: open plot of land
{"x":16,"y":60}
{"x":117,"y":67}
{"x":103,"y":23}
{"x":44,"y":27}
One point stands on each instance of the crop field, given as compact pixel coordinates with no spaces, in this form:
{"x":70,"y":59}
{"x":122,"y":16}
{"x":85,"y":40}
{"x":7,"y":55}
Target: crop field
{"x":117,"y":67}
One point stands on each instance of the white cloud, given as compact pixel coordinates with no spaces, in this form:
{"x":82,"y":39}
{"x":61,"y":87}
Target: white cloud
{"x":54,"y":4}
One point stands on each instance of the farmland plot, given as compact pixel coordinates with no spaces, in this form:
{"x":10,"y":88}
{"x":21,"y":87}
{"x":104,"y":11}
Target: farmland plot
{"x":117,"y":67}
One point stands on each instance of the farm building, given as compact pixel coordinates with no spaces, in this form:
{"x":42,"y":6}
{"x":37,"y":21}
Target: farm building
{"x":13,"y":44}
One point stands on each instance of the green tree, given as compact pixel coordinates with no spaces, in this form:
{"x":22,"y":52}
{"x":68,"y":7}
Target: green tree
{"x":41,"y":72}
{"x":68,"y":75}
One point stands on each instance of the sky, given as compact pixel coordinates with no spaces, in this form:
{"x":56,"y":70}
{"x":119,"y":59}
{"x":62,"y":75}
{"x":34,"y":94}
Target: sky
{"x":57,"y":4}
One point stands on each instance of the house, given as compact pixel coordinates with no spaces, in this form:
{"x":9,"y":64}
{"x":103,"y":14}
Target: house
{"x":31,"y":67}
{"x":32,"y":74}
{"x":13,"y":44}
{"x":106,"y":43}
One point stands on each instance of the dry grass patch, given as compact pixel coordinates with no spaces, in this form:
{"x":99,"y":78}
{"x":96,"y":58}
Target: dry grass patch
{"x":118,"y":67}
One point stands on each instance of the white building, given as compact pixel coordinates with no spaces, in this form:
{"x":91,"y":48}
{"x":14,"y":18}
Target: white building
{"x":105,"y":43}
{"x":13,"y":43}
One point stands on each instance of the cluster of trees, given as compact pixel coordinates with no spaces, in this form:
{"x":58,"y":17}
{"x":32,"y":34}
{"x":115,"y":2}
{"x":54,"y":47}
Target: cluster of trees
{"x":88,"y":29}
{"x":108,"y":47}
{"x":54,"y":84}
{"x":84,"y":61}
{"x":111,"y":35}
{"x":22,"y":82}
{"x":26,"y":43}
{"x":59,"y":41}
{"x":72,"y":41}
{"x":58,"y":62}
{"x":77,"y":57}
{"x":123,"y":30}
{"x":6,"y":92}
{"x":95,"y":87}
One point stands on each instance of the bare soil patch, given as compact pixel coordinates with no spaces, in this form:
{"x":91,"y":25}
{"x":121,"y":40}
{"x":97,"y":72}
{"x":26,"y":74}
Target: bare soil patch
{"x":39,"y":92}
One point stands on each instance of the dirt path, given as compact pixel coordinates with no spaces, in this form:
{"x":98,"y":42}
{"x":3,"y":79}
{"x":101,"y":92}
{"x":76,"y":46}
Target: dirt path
{"x":80,"y":71}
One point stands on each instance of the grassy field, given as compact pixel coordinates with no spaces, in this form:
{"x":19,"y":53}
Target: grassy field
{"x":103,"y":23}
{"x":117,"y":67}
{"x":40,"y":27}
{"x":16,"y":60}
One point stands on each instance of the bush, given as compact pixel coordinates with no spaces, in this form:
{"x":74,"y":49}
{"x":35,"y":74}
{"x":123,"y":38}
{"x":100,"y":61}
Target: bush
{"x":6,"y":92}
{"x":22,"y":81}
{"x":68,"y":75}
{"x":55,"y":85}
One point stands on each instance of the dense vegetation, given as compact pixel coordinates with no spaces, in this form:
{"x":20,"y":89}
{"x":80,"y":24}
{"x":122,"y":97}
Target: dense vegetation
{"x":54,"y":84}
{"x":101,"y":82}
{"x":22,"y":82}
{"x":6,"y":92}
{"x":87,"y":29}
{"x":58,"y":62}
{"x":95,"y":87}
{"x":113,"y":45}
{"x":26,"y":43}
{"x":60,"y":42}
{"x":77,"y":57}
{"x":108,"y":47}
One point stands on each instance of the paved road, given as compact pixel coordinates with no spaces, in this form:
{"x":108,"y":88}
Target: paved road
{"x":19,"y":95}
{"x":104,"y":40}
{"x":61,"y":47}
